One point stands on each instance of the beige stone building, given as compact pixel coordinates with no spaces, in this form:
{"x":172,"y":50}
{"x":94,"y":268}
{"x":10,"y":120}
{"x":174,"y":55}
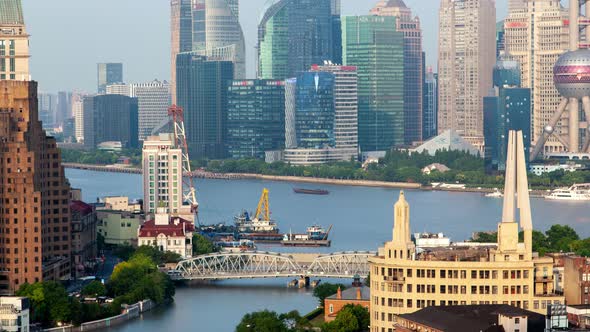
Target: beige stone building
{"x":466,"y":58}
{"x":404,"y":280}
{"x":536,"y":34}
{"x":14,"y":42}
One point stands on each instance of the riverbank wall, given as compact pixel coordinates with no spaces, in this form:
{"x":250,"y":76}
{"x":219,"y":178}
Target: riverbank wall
{"x":130,"y":312}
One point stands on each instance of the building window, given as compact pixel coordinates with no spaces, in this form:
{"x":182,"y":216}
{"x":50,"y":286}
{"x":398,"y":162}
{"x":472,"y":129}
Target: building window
{"x":332,"y":309}
{"x":516,"y":320}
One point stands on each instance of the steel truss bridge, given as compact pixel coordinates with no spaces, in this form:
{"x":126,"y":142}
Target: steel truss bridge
{"x":255,"y":264}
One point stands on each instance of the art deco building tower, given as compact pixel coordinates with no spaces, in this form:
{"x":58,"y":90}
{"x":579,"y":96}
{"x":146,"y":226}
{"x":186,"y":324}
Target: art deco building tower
{"x":410,"y":26}
{"x":14,"y":42}
{"x":467,"y":54}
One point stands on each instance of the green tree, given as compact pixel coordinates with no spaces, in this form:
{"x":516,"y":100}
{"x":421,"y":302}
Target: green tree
{"x":262,"y":321}
{"x":94,"y":289}
{"x":559,"y":237}
{"x":485,"y":237}
{"x":50,"y":302}
{"x":323,"y":290}
{"x":345,"y":321}
{"x":202,"y":245}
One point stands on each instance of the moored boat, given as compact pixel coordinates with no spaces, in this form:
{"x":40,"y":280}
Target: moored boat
{"x":577,"y":192}
{"x":315,"y":236}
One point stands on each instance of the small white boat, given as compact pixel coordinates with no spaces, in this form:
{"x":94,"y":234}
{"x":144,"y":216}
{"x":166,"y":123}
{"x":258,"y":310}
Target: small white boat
{"x":496,"y":194}
{"x":577,"y":192}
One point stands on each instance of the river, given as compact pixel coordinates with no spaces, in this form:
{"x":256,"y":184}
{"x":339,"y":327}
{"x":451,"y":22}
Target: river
{"x":362,"y":219}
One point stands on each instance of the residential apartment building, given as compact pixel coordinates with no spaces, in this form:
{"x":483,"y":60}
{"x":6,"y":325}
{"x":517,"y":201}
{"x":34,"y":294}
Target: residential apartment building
{"x":466,"y":58}
{"x":110,"y":118}
{"x":374,"y":46}
{"x":14,"y":42}
{"x":108,"y":73}
{"x":34,"y":200}
{"x":413,"y":64}
{"x":15,"y":314}
{"x":119,"y":227}
{"x":84,"y":242}
{"x":536,"y":33}
{"x":162,"y":174}
{"x":255,"y":118}
{"x":577,"y":280}
{"x":404,"y":281}
{"x":78,"y":113}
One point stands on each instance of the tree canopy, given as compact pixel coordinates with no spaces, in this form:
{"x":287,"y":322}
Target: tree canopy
{"x":323,"y":290}
{"x":270,"y":321}
{"x":351,"y":318}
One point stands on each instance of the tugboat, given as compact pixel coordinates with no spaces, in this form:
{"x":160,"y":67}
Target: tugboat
{"x":311,"y":191}
{"x":261,"y":228}
{"x":315,"y":236}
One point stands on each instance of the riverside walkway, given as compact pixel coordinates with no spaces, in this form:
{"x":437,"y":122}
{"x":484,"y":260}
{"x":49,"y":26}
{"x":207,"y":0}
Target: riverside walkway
{"x":257,"y":264}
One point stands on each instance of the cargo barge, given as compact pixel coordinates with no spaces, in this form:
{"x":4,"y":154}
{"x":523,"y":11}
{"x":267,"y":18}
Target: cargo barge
{"x":311,"y":191}
{"x":315,"y":236}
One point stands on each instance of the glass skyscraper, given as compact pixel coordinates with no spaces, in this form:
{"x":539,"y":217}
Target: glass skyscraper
{"x":110,"y":118}
{"x":509,"y":109}
{"x":372,"y":44}
{"x":201,"y":90}
{"x":108,"y":73}
{"x":315,"y":110}
{"x":255,"y":118}
{"x":295,"y":34}
{"x":430,"y":105}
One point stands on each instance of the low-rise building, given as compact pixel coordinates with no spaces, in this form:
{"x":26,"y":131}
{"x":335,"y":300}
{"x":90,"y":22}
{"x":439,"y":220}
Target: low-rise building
{"x":119,"y":227}
{"x":354,"y":295}
{"x":579,"y":316}
{"x":84,"y":245}
{"x":577,"y":280}
{"x":121,"y":203}
{"x":14,"y":314}
{"x":470,"y":318}
{"x":167,"y":233}
{"x":540,"y":169}
{"x":435,"y":167}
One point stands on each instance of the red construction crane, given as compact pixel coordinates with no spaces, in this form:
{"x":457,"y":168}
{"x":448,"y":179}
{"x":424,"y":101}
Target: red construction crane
{"x":188,"y":187}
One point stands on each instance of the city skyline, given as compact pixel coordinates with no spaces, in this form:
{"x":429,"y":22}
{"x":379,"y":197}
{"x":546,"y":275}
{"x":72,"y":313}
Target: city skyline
{"x":139,"y":50}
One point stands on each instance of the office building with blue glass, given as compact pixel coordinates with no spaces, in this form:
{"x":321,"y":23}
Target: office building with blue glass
{"x":255,"y":118}
{"x":509,"y":109}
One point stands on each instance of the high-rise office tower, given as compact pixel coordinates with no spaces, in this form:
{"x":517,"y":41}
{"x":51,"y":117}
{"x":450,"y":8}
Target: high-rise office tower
{"x":290,"y":94}
{"x":345,"y":108}
{"x":109,"y":73}
{"x":500,"y":39}
{"x":118,"y":89}
{"x":36,"y":242}
{"x":64,"y":107}
{"x":162,"y":174}
{"x":199,"y":25}
{"x":78,"y":113}
{"x":467,"y":54}
{"x":430,"y":105}
{"x":223,"y":34}
{"x":47,"y":109}
{"x":255,"y":118}
{"x":535,"y":36}
{"x":153,"y":99}
{"x":181,"y":30}
{"x":295,"y":34}
{"x":508,"y":109}
{"x":376,"y":48}
{"x":410,"y":27}
{"x":110,"y":118}
{"x":14,"y":42}
{"x":202,"y":86}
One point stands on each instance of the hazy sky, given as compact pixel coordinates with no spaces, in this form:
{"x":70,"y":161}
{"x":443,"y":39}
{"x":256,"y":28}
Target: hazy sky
{"x":68,"y":37}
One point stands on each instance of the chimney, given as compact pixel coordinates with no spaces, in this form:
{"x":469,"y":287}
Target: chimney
{"x":358,"y":294}
{"x":339,"y":294}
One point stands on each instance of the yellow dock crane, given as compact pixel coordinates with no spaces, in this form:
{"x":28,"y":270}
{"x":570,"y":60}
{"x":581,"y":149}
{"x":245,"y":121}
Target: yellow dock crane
{"x":263,"y":206}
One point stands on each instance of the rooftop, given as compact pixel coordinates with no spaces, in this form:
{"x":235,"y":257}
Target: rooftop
{"x":176,"y":227}
{"x":350,"y":294}
{"x":470,"y":317}
{"x":11,"y":12}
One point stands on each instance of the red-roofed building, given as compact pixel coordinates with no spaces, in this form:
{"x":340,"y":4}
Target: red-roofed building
{"x":84,"y":244}
{"x":168,"y":234}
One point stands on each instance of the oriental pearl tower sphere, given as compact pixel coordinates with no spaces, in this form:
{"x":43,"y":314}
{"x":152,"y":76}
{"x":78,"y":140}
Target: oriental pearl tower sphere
{"x":571,"y":75}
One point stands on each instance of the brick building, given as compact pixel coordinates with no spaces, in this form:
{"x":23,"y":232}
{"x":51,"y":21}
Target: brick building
{"x":84,"y":244}
{"x":577,"y":280}
{"x":354,"y":295}
{"x":35,"y":241}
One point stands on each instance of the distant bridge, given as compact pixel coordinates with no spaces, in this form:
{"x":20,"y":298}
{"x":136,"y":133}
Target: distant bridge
{"x":256,"y":264}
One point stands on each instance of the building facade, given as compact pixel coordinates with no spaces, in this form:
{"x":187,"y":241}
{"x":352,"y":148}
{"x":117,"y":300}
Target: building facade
{"x":162,"y":174}
{"x":430,"y":105}
{"x":536,"y":34}
{"x":404,"y":280}
{"x":577,"y":280}
{"x":153,"y":100}
{"x":181,"y":36}
{"x":509,"y":109}
{"x":78,"y":113}
{"x":167,"y":234}
{"x":202,"y":87}
{"x":119,"y":227}
{"x":293,"y":35}
{"x":14,"y":42}
{"x":84,"y":231}
{"x":466,"y":58}
{"x":376,"y":48}
{"x":255,"y":118}
{"x":315,"y":110}
{"x":108,"y":73}
{"x":110,"y":118}
{"x":356,"y":295}
{"x":15,"y":314}
{"x":35,"y":205}
{"x":413,"y":70}
{"x":290,"y":93}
